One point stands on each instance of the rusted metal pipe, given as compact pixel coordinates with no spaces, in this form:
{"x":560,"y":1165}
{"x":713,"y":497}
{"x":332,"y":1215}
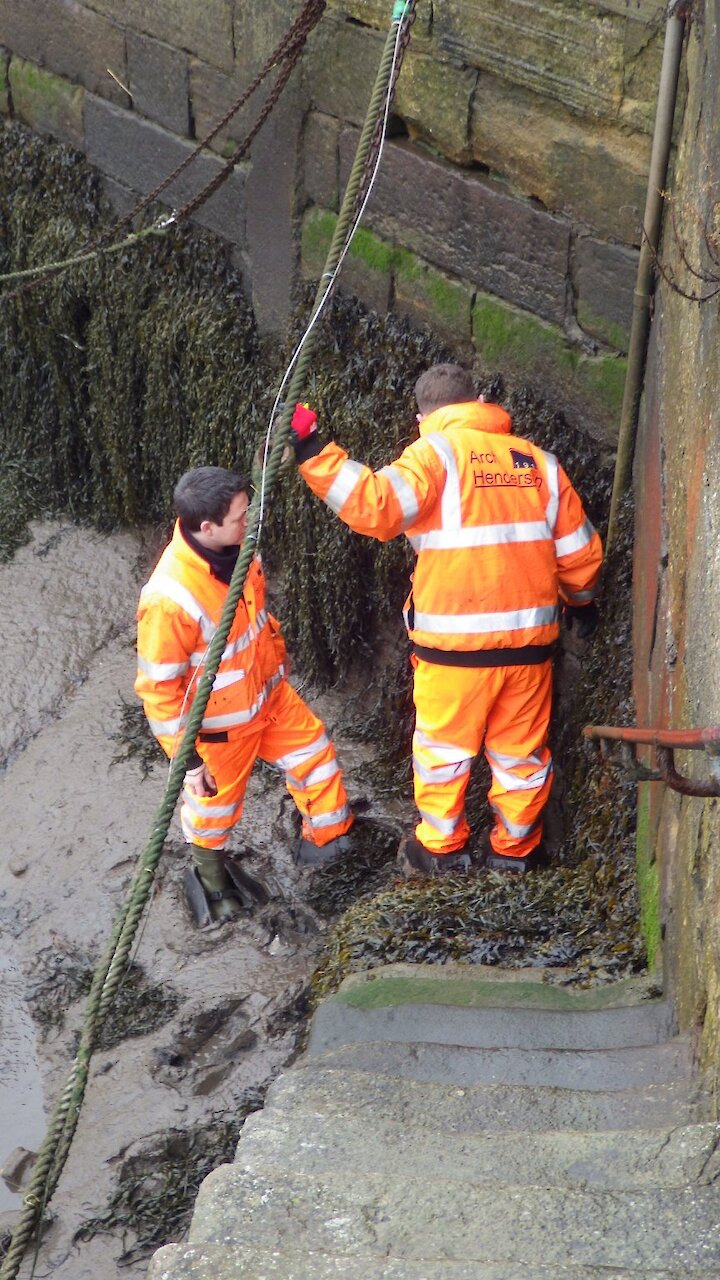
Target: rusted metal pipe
{"x":665,"y":742}
{"x":640,"y":324}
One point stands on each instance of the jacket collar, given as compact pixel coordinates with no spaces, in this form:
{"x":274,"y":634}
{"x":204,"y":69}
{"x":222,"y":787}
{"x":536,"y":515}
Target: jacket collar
{"x":481,"y":417}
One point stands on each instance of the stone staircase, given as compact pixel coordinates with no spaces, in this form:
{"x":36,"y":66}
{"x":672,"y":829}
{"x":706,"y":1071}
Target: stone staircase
{"x":461,"y":1123}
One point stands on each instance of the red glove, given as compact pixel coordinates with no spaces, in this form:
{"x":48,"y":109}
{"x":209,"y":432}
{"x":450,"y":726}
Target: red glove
{"x":303,"y":421}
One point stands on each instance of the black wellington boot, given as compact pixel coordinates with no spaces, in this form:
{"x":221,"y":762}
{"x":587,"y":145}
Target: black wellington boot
{"x":211,"y":895}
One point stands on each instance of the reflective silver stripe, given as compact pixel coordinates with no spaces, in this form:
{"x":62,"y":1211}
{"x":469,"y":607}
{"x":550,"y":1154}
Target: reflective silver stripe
{"x":343,"y":485}
{"x":551,"y":511}
{"x":320,"y":820}
{"x":209,"y":810}
{"x":294,"y":758}
{"x":192,"y":828}
{"x":443,"y":772}
{"x":321,"y":774}
{"x":404,"y":493}
{"x":511,"y":781}
{"x":166,"y":728}
{"x":232,"y":650}
{"x":511,"y":762}
{"x":574,"y":541}
{"x":224,"y":678}
{"x":514,"y":828}
{"x":488,"y":535}
{"x":450,"y":750}
{"x":450,"y":506}
{"x":175,"y":591}
{"x":461,"y":623}
{"x":242,"y":717}
{"x":446,"y":826}
{"x":583,"y":597}
{"x":161,"y":670}
{"x":417,"y":540}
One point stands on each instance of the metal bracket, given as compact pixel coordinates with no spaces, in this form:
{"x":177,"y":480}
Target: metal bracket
{"x":607,"y":738}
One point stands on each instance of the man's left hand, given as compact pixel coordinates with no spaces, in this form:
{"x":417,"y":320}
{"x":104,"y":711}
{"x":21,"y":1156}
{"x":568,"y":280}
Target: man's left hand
{"x":582,"y":619}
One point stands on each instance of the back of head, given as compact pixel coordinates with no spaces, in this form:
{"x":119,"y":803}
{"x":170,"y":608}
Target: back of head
{"x":205,"y":493}
{"x":443,"y":384}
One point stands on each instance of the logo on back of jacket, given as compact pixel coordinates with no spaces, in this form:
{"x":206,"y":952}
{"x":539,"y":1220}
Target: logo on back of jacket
{"x":490,"y":473}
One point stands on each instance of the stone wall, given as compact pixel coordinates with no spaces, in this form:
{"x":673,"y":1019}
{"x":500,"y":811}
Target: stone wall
{"x":507,"y":212}
{"x":677,"y":570}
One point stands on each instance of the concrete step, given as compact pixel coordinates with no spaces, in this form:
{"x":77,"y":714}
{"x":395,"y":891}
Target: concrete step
{"x":414,"y":1219}
{"x":635,"y":1159}
{"x":337,"y":1022}
{"x":232,"y":1262}
{"x":494,"y":1108}
{"x":561,"y":1069}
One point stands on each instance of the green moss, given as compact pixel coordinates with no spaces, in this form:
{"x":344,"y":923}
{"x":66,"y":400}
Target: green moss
{"x":44,"y":100}
{"x":648,"y":882}
{"x":317,"y":232}
{"x":504,"y":336}
{"x":600,"y":327}
{"x":604,"y":378}
{"x":435,"y":298}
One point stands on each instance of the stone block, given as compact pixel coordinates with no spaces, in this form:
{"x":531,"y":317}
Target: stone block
{"x":377,"y":13}
{"x":434,"y":98}
{"x":203,"y":29}
{"x":430,"y":298}
{"x":571,"y":54}
{"x":69,"y":39}
{"x":590,"y":171}
{"x":138,"y":154}
{"x":4,"y":82}
{"x":605,"y":279}
{"x":320,"y":159}
{"x":271,"y":212}
{"x":340,"y":68}
{"x":158,"y":82}
{"x":468,"y":227}
{"x":46,"y":102}
{"x":366,"y":272}
{"x":641,"y":74}
{"x":212,"y":93}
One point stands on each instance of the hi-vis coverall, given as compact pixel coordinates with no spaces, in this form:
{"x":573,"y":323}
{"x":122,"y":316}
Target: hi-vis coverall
{"x":252,"y":710}
{"x":501,"y":539}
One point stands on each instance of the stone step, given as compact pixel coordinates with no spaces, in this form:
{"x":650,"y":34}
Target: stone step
{"x":233,"y":1262}
{"x":417,"y":1219}
{"x":561,"y":1068}
{"x":497,"y":1108}
{"x":635,"y":1159}
{"x":337,"y":1022}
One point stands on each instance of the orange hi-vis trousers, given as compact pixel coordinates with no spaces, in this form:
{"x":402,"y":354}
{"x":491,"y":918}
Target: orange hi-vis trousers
{"x":288,"y":735}
{"x":460,"y":708}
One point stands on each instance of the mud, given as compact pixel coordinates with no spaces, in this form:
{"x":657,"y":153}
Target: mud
{"x":225,"y":1006}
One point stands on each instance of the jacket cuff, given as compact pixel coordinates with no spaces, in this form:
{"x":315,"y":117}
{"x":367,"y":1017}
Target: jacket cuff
{"x":310,"y":447}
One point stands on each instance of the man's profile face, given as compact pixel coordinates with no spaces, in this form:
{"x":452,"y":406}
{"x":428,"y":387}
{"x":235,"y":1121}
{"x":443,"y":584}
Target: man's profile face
{"x":232,"y":530}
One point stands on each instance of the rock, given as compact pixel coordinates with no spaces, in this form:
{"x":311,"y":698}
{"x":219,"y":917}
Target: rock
{"x":16,"y":1170}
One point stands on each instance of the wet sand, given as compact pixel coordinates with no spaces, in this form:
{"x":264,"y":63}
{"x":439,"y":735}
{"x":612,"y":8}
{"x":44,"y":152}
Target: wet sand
{"x":74,"y":824}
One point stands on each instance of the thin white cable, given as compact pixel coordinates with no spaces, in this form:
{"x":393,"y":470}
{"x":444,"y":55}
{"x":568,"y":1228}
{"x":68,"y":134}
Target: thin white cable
{"x":332,"y":275}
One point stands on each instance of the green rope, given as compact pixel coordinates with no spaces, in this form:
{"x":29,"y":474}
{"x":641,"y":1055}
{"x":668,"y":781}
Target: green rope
{"x":109,"y":972}
{"x":50,"y":268}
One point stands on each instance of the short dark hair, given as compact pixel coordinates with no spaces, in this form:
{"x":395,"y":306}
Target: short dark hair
{"x":443,"y":384}
{"x":205,"y":493}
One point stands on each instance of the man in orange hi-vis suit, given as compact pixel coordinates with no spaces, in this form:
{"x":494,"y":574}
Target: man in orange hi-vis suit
{"x":502,"y":544}
{"x":252,"y":711}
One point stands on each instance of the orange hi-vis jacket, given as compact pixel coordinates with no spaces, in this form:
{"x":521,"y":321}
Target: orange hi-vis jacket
{"x":500,"y":534}
{"x":179,"y":611}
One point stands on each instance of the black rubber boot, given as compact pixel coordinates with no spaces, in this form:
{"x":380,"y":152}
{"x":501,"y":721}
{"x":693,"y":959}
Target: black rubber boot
{"x":531,"y":861}
{"x":415,"y":860}
{"x":307,"y":854}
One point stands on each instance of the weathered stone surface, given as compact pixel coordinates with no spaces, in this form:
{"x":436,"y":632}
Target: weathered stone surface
{"x":642,"y":57}
{"x":139,"y":154}
{"x":4,"y":83}
{"x":433,"y":98}
{"x":376,"y":13}
{"x":205,"y":29}
{"x":340,"y":67}
{"x":429,"y":297}
{"x":47,"y":103}
{"x":570,"y":54}
{"x":68,"y":39}
{"x":467,"y":226}
{"x":320,"y":159}
{"x":605,"y":278}
{"x":158,"y":82}
{"x":367,"y":269}
{"x":212,"y":93}
{"x":593,"y":173}
{"x":270,"y":195}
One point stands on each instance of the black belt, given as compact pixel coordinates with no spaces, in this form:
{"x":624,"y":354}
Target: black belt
{"x":530,"y":655}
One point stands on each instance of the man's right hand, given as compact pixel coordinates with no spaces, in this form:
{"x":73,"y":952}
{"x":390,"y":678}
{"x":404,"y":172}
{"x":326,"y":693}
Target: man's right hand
{"x":200,"y":781}
{"x":303,"y":421}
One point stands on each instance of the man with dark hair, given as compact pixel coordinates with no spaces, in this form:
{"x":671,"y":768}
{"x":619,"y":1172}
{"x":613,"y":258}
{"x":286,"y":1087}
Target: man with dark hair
{"x":502,"y":543}
{"x":252,"y":711}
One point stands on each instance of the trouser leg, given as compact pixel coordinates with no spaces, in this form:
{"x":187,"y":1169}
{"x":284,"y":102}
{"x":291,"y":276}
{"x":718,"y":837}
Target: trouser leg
{"x":519,"y":758}
{"x":295,"y":740}
{"x":451,"y":711}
